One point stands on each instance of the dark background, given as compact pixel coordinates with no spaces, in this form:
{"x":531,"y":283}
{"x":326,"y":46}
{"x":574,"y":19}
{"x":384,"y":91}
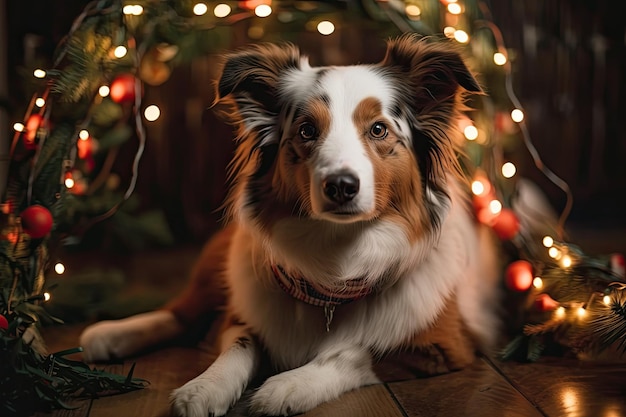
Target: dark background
{"x":569,"y":66}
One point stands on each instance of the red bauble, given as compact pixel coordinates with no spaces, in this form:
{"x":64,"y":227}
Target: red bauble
{"x":36,"y":221}
{"x":4,"y":323}
{"x":506,"y":224}
{"x":519,"y":276}
{"x":544,"y":303}
{"x":30,"y":130}
{"x":122,"y":89}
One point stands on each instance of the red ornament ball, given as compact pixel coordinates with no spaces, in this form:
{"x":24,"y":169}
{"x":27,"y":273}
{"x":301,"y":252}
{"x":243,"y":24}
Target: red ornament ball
{"x":4,"y":323}
{"x":122,"y":89}
{"x":544,"y":303}
{"x":505,"y":224}
{"x":519,"y":276}
{"x":36,"y":221}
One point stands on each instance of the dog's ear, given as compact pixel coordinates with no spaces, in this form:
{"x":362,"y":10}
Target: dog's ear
{"x":434,"y":70}
{"x":251,"y":77}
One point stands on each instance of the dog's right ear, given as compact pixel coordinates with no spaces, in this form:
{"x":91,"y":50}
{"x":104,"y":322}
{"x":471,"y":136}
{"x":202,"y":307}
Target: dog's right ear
{"x":251,"y":77}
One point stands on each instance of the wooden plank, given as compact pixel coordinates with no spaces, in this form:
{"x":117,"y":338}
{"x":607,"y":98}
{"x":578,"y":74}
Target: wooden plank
{"x":476,"y":391}
{"x":371,"y":401}
{"x":569,"y":387}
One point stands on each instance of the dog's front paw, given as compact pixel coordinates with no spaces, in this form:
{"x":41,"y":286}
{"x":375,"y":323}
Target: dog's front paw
{"x":283,"y":395}
{"x":199,"y":398}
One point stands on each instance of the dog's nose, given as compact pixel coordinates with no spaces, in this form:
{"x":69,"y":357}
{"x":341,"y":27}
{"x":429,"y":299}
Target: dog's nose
{"x":341,"y":188}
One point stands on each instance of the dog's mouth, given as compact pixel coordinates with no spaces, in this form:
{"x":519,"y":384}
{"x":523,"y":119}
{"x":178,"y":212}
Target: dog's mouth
{"x":344,"y":215}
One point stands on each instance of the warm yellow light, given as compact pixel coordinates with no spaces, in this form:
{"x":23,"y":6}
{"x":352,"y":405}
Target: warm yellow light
{"x":59,"y":268}
{"x":449,"y":31}
{"x":554,"y":253}
{"x":83,"y":134}
{"x":470,"y":132}
{"x":40,"y":102}
{"x":120,"y":51}
{"x":18,"y":127}
{"x":46,"y":296}
{"x":508,"y":170}
{"x":39,"y":73}
{"x":222,"y":10}
{"x":606,"y":300}
{"x":581,"y":312}
{"x":69,"y":182}
{"x":152,"y":112}
{"x":199,"y":9}
{"x":537,"y":282}
{"x":517,"y":115}
{"x":325,"y":27}
{"x":461,"y":36}
{"x":263,"y":10}
{"x":133,"y":9}
{"x":548,"y":241}
{"x":566,"y":261}
{"x":559,"y":312}
{"x":412,"y":10}
{"x":478,"y":187}
{"x":495,"y":206}
{"x":454,"y":8}
{"x":499,"y":58}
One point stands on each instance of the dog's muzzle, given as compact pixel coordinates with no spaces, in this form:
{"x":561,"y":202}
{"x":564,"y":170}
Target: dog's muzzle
{"x":341,"y":188}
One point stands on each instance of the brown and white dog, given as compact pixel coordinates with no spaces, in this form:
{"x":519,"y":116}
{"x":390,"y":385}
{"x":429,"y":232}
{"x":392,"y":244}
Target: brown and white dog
{"x":351,"y":232}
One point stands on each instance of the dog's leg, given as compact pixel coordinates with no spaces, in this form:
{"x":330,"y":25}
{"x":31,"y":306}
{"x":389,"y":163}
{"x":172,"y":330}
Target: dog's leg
{"x":215,"y":390}
{"x":329,"y":375}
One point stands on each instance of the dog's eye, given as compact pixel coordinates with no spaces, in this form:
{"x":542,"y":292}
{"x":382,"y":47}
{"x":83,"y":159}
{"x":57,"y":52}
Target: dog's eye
{"x":378,"y":131}
{"x":307,"y":131}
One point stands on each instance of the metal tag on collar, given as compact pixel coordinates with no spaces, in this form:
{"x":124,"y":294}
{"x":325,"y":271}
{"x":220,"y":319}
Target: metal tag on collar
{"x":329,"y":311}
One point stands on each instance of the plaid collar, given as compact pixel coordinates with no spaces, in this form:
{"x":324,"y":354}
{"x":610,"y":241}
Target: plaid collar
{"x":302,"y":290}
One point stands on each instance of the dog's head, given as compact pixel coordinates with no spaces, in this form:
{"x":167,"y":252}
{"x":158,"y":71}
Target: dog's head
{"x":345,"y":144}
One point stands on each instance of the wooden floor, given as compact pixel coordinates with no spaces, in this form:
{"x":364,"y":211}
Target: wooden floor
{"x":554,"y":386}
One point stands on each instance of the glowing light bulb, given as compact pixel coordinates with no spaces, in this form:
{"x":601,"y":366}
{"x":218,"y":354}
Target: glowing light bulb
{"x":499,"y":58}
{"x":495,"y":206}
{"x":59,"y":268}
{"x":478,"y":187}
{"x":559,"y":312}
{"x":566,"y":261}
{"x":104,"y":91}
{"x":263,"y":10}
{"x":120,"y":51}
{"x":18,"y":127}
{"x":69,"y":182}
{"x":449,"y":31}
{"x":39,"y":73}
{"x":133,"y":9}
{"x":222,"y":10}
{"x":554,"y":253}
{"x":152,"y":112}
{"x":454,"y":8}
{"x":412,"y":10}
{"x":470,"y":132}
{"x":461,"y":36}
{"x":199,"y":9}
{"x":83,"y":134}
{"x":581,"y":312}
{"x":606,"y":300}
{"x":548,"y":241}
{"x":517,"y":115}
{"x":537,"y":282}
{"x":46,"y":296}
{"x":508,"y":170}
{"x":40,"y":102}
{"x":325,"y":27}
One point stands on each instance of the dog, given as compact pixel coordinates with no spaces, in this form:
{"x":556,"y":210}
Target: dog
{"x":350,"y":232}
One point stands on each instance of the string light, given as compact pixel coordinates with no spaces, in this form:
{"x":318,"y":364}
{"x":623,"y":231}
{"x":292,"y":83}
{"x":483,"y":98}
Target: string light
{"x":559,"y":312}
{"x":39,"y":73}
{"x":499,"y":58}
{"x":461,"y":36}
{"x":412,"y":11}
{"x":325,"y":27}
{"x":537,"y":282}
{"x":495,"y":206}
{"x":581,"y":312}
{"x":454,"y":8}
{"x":152,"y":113}
{"x":263,"y":10}
{"x":470,"y":132}
{"x":508,"y":170}
{"x":478,"y":187}
{"x":18,"y":127}
{"x":566,"y":261}
{"x":104,"y":91}
{"x":46,"y":296}
{"x":120,"y":51}
{"x":448,"y":31}
{"x":222,"y":10}
{"x":83,"y":134}
{"x":59,"y":268}
{"x":606,"y":300}
{"x":69,"y":180}
{"x":554,"y":253}
{"x":199,"y":9}
{"x":40,"y":102}
{"x":133,"y":9}
{"x":517,"y":115}
{"x":548,"y":241}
